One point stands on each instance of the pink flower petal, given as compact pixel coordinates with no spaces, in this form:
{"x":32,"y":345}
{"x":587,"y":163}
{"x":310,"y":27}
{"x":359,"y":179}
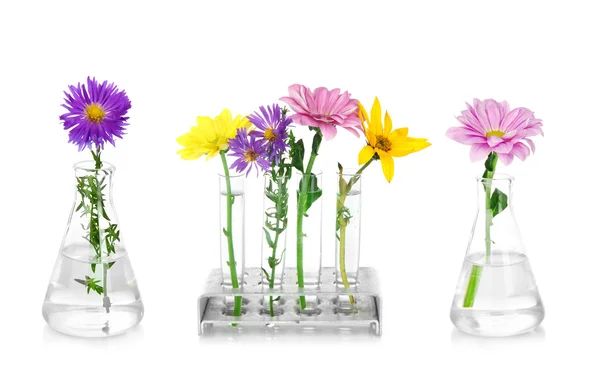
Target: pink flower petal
{"x":531,"y":144}
{"x":329,"y":131}
{"x":343,"y":103}
{"x":503,"y":148}
{"x":482,"y":116}
{"x":479,"y":151}
{"x":304,"y":120}
{"x":297,"y":98}
{"x":354,"y":130}
{"x":332,"y":99}
{"x":521,"y":151}
{"x":351,"y":121}
{"x":506,"y":159}
{"x":320,"y":95}
{"x":492,"y":110}
{"x":494,"y":140}
{"x":465,"y":136}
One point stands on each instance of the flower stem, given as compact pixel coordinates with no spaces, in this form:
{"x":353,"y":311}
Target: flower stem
{"x":275,"y":242}
{"x":100,"y":210}
{"x":237,"y":307}
{"x":343,"y":224}
{"x":302,"y":199}
{"x":476,"y":270}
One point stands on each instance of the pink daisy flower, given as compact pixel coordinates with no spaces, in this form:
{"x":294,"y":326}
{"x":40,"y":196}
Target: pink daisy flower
{"x":492,"y":126}
{"x":323,"y":109}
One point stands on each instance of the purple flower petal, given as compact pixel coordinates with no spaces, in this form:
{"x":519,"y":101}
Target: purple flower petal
{"x":96,"y":114}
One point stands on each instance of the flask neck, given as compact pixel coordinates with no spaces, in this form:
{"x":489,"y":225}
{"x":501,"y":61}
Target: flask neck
{"x":495,"y":230}
{"x":495,"y":194}
{"x":87,"y":175}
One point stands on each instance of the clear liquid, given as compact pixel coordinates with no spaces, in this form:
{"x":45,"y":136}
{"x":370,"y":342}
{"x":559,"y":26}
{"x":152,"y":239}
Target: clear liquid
{"x":237,"y":230}
{"x":352,"y":248}
{"x":68,"y":308}
{"x":507,"y":301}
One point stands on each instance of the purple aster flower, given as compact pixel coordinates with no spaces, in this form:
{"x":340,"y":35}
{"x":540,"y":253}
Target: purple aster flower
{"x":249,"y":151}
{"x":96,"y":114}
{"x":272,"y":126}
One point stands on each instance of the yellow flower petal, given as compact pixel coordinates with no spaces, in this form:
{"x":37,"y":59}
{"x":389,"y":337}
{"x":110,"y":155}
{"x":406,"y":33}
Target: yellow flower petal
{"x":384,"y":141}
{"x":376,"y":126}
{"x":365,"y":154}
{"x":387,"y":165}
{"x":363,"y":116}
{"x":225,"y":116}
{"x":398,"y":133}
{"x":388,"y":124}
{"x":405,"y":146}
{"x":210,"y":136}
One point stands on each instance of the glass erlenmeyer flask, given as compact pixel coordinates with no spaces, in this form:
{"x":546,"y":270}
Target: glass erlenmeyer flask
{"x":496,"y":293}
{"x":93,"y":291}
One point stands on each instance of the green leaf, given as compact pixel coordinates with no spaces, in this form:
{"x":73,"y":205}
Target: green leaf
{"x":268,"y":237}
{"x":297,"y":154}
{"x":266,"y":275}
{"x":91,"y":284}
{"x":490,"y":165}
{"x":94,"y":267}
{"x":313,"y":191}
{"x":316,"y":143}
{"x":225,"y":232}
{"x":498,"y":202}
{"x":342,"y":186}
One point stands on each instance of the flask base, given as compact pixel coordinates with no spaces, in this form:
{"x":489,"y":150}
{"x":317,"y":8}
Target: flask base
{"x":92,"y":321}
{"x":497,"y":323}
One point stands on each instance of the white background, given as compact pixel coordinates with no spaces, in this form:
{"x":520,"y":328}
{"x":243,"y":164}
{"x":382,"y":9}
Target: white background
{"x":178,"y":60}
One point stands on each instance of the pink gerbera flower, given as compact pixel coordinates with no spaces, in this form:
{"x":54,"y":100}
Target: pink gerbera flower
{"x":491,"y":126}
{"x":323,"y":109}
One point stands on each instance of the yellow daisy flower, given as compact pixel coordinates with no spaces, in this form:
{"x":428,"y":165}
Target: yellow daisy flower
{"x":383,"y":143}
{"x":211,"y":136}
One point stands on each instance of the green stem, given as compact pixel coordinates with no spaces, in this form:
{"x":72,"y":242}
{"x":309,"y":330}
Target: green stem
{"x":476,"y":270}
{"x":302,"y":197}
{"x":343,"y":224}
{"x":100,"y":212}
{"x":237,"y":307}
{"x":275,"y":242}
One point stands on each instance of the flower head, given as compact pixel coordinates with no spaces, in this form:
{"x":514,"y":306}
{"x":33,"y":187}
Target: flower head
{"x":324,"y":109}
{"x":383,"y":143}
{"x":249,"y":152}
{"x":492,"y":126}
{"x":96,"y":113}
{"x":271,"y":125}
{"x":210,"y":136}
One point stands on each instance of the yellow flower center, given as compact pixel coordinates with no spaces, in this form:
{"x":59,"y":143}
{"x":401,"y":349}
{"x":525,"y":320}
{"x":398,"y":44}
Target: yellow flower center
{"x":270,"y":135}
{"x":383,"y":143}
{"x":250,"y":155}
{"x":494,"y":133}
{"x":94,"y":113}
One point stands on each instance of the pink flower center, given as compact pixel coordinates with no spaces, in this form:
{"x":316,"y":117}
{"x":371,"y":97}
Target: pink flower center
{"x":494,"y":133}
